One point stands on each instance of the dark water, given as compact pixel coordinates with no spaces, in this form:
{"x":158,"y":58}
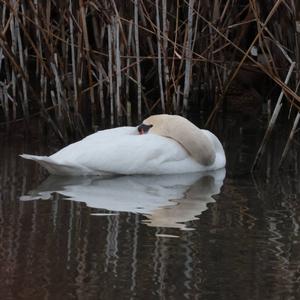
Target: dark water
{"x":120,"y":238}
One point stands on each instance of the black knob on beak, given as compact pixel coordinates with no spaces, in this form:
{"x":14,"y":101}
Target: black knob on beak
{"x":143,"y":128}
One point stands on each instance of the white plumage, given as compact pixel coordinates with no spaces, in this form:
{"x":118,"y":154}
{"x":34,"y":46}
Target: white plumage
{"x":123,"y":150}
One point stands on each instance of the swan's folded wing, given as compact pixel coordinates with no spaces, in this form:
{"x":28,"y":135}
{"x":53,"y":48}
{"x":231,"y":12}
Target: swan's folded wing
{"x":55,"y":167}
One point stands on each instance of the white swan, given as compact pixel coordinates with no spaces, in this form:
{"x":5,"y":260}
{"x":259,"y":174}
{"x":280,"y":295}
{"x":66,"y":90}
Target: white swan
{"x":172,"y":145}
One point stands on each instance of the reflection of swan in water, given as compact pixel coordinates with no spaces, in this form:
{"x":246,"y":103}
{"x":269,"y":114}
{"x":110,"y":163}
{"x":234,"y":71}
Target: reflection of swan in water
{"x":148,"y":195}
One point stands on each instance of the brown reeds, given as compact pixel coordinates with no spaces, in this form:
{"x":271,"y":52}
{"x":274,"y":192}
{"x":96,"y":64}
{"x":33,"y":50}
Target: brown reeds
{"x":82,"y":63}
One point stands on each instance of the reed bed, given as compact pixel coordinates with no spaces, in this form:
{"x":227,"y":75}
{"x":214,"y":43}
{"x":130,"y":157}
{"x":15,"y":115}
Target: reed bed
{"x":88,"y":64}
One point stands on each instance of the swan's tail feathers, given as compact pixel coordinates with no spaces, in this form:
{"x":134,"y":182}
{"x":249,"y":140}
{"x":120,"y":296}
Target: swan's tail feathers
{"x":34,"y":157}
{"x":53,"y":167}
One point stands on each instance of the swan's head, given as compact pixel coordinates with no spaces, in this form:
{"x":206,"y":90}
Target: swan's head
{"x":144,"y":128}
{"x":157,"y":124}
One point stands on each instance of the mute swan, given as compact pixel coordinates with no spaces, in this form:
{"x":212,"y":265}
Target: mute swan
{"x":172,"y":145}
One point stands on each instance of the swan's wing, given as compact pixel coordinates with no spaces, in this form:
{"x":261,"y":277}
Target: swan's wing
{"x":58,"y":168}
{"x":134,"y":154}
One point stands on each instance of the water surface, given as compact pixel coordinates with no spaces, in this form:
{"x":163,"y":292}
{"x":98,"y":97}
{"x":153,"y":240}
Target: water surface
{"x":194,"y":236}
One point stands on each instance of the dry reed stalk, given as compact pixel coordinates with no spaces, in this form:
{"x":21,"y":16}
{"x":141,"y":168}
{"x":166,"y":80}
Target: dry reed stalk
{"x":1,"y":58}
{"x":290,"y":138}
{"x":173,"y":59}
{"x":59,"y":92}
{"x":14,"y":50}
{"x":37,"y":31}
{"x":101,"y":93}
{"x":159,"y":58}
{"x":177,"y":99}
{"x":39,"y":71}
{"x":165,"y":27}
{"x":88,"y":59}
{"x":79,"y":60}
{"x":44,"y":85}
{"x":110,"y":74}
{"x":137,"y":52}
{"x":291,"y":135}
{"x":5,"y":104}
{"x":118,"y":72}
{"x":22,"y":60}
{"x":73,"y":58}
{"x":188,"y":57}
{"x":96,"y":32}
{"x":127,"y":75}
{"x":213,"y":40}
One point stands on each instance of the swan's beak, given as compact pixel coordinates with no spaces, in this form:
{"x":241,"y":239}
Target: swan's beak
{"x":143,"y":128}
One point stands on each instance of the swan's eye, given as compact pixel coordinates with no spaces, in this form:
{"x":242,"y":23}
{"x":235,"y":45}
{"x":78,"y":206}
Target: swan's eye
{"x":143,"y":128}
